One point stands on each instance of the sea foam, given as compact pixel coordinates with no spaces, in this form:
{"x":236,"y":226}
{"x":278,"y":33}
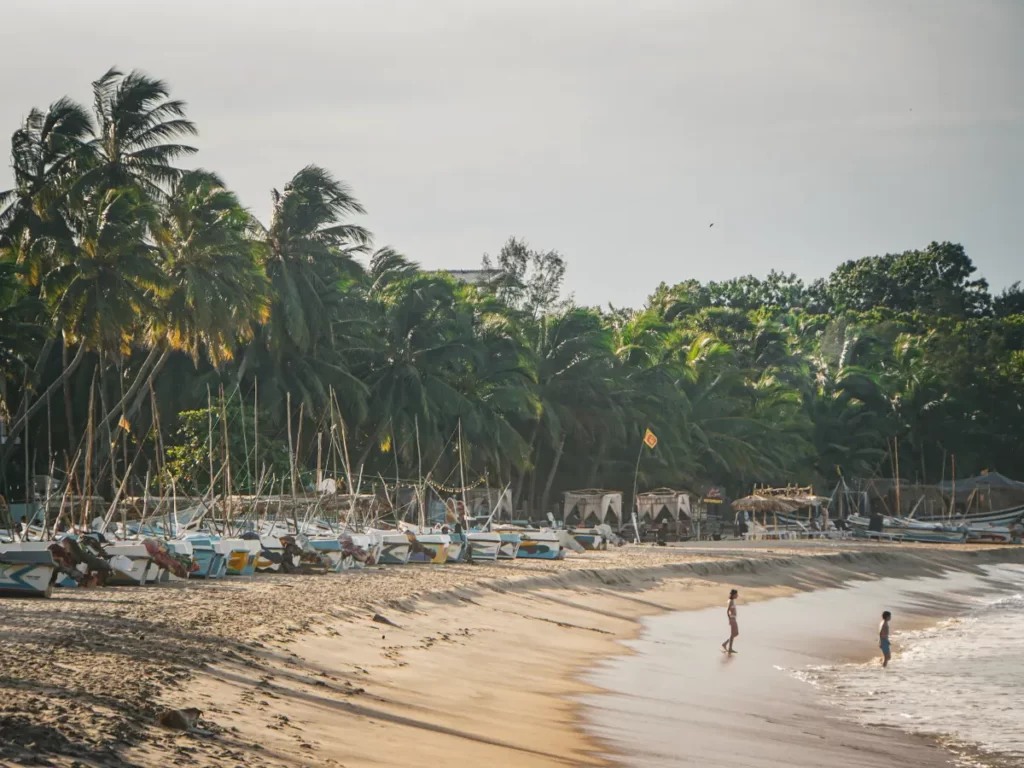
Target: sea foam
{"x":962,"y":679}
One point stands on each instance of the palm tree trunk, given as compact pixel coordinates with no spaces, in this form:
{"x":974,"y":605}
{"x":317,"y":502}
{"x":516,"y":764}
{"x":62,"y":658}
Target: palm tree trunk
{"x":69,"y":411}
{"x":139,"y":379}
{"x":551,"y":474}
{"x":518,"y":495}
{"x":22,"y":420}
{"x":141,"y":397}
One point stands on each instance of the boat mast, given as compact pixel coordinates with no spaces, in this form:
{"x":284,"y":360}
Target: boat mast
{"x":896,"y":453}
{"x":952,"y":499}
{"x":462,"y":473}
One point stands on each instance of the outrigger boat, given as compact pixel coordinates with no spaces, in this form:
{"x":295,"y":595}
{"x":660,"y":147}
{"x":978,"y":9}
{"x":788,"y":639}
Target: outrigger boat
{"x":242,"y":557}
{"x":394,"y":548}
{"x":26,"y":572}
{"x":457,"y":548}
{"x":589,"y":538}
{"x":909,"y":530}
{"x":429,"y":548}
{"x":540,"y":545}
{"x":210,"y":556}
{"x":483,"y":545}
{"x":509,"y":545}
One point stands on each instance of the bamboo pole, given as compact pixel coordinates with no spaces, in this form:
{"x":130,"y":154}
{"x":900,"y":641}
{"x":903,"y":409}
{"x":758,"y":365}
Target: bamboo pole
{"x":227,"y":456}
{"x":90,"y":425}
{"x":209,"y":431}
{"x":256,"y":422}
{"x":291,"y":449}
{"x":245,"y":438}
{"x":896,"y":458}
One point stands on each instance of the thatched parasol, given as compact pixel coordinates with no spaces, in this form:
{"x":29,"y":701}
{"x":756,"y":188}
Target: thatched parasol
{"x":766,"y":504}
{"x":808,"y":500}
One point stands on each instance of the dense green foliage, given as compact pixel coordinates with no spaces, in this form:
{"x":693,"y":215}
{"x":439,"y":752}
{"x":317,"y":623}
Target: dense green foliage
{"x":128,"y":281}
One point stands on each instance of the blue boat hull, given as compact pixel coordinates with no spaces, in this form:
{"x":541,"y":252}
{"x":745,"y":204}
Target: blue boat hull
{"x":27,"y":574}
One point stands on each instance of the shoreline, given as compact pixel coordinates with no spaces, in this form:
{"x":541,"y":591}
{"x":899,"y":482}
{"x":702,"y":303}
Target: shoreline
{"x":673,"y":700}
{"x":483,"y":662}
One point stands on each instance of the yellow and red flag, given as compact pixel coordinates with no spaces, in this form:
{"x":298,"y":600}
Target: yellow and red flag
{"x":650,"y":439}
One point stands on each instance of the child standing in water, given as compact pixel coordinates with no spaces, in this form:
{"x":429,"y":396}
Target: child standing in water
{"x":734,"y":628}
{"x":883,"y":638}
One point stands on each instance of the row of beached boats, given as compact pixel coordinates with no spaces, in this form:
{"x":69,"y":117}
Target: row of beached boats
{"x":1006,"y":529}
{"x":35,"y":567}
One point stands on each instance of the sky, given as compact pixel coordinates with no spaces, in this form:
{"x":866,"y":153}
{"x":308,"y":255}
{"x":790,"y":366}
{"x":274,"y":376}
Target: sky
{"x":808,"y":132}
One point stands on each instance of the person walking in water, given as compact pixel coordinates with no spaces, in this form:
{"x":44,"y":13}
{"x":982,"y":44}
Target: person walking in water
{"x":734,"y":628}
{"x":883,"y":638}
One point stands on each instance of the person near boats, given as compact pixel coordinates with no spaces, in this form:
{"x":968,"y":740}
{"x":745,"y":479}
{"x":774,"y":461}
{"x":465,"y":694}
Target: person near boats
{"x":734,"y":627}
{"x":883,"y":638}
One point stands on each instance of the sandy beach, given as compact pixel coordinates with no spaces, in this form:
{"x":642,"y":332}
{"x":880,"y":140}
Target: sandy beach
{"x":385,"y":666}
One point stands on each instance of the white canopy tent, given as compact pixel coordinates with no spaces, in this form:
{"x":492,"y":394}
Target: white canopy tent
{"x":664,"y":504}
{"x":593,"y":506}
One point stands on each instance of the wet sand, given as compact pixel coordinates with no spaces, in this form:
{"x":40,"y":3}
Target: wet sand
{"x":677,"y":699}
{"x":478,"y":661}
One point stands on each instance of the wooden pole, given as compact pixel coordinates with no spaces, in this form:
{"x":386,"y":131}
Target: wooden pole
{"x":462,"y":470}
{"x":291,"y":448}
{"x":319,"y":458}
{"x":90,"y":425}
{"x":209,"y":430}
{"x":896,"y":459}
{"x":227,"y":455}
{"x":256,"y":422}
{"x":952,"y":500}
{"x":245,"y":439}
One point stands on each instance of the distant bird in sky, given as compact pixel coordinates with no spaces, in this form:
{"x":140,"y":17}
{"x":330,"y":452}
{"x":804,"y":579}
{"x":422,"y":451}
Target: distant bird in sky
{"x":711,"y":225}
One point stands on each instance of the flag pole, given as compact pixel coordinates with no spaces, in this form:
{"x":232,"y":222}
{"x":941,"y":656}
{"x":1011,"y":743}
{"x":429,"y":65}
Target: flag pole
{"x":636,"y":474}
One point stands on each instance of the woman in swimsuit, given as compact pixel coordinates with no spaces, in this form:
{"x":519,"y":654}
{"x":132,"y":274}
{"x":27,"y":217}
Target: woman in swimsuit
{"x":734,"y":628}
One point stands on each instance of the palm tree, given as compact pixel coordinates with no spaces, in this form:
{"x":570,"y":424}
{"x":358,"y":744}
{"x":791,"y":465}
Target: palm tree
{"x":216,"y":290}
{"x":572,"y":353}
{"x":104,"y":293}
{"x":46,"y":153}
{"x":20,"y":332}
{"x":308,"y":255}
{"x":419,"y":340}
{"x":137,"y":131}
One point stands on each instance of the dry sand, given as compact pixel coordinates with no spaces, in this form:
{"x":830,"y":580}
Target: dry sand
{"x":478,"y":661}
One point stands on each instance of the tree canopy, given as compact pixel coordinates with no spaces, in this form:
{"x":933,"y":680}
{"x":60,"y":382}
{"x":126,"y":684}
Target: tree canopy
{"x":140,"y":301}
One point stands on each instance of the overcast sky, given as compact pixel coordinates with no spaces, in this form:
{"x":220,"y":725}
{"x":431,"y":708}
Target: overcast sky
{"x":808,"y":131}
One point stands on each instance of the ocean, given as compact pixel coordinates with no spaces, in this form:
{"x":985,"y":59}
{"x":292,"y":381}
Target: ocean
{"x":806,"y":688}
{"x":962,"y":679}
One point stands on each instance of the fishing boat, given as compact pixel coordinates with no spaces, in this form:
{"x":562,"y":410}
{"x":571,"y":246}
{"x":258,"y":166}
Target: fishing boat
{"x":457,"y":549}
{"x":991,"y":534}
{"x":131,"y":564}
{"x":331,"y":550}
{"x":26,"y":572}
{"x":430,"y":548}
{"x":181,"y":549}
{"x":394,"y":547}
{"x":209,"y":554}
{"x":369,"y":544}
{"x":540,"y":545}
{"x":271,"y":558}
{"x":484,"y":545}
{"x":590,"y":538}
{"x":241,"y":558}
{"x":909,"y":530}
{"x":509,"y":547}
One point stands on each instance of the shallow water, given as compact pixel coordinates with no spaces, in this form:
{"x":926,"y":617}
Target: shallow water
{"x":678,"y":700}
{"x":963,"y":677}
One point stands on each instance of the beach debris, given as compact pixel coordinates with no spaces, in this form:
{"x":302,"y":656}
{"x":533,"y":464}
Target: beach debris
{"x":384,"y":620}
{"x":180,"y":719}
